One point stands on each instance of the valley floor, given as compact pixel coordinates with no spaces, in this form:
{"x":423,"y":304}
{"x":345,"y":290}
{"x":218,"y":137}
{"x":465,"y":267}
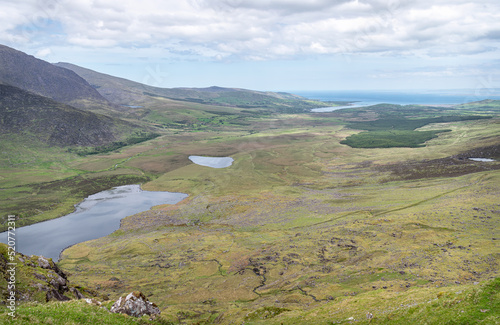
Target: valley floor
{"x":302,"y":229}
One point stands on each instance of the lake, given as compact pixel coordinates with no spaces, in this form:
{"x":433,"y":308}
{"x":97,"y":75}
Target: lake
{"x":214,"y":162}
{"x":96,"y":216}
{"x":482,"y":159}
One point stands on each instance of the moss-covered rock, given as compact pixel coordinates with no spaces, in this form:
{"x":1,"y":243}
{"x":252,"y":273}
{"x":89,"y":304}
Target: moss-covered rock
{"x":34,"y":278}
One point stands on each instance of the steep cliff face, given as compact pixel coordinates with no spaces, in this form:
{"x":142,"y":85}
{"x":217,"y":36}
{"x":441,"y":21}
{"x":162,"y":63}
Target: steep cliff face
{"x":40,"y":77}
{"x":26,"y":114}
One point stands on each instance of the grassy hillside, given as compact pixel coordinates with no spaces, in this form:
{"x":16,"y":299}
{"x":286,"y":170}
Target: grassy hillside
{"x":396,"y":125}
{"x":125,"y":92}
{"x":471,"y":304}
{"x":487,"y":105}
{"x":45,"y":296}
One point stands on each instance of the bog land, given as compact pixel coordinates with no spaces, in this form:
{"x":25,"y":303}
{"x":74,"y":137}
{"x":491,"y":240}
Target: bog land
{"x":372,"y":214}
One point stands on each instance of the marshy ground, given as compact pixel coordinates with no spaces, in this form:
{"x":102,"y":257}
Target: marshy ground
{"x":302,"y":228}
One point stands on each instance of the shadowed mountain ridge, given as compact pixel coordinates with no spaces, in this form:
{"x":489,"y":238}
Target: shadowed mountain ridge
{"x":26,"y":72}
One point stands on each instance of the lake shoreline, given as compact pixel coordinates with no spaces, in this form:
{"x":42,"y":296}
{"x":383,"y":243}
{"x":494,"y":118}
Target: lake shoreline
{"x":96,"y":216}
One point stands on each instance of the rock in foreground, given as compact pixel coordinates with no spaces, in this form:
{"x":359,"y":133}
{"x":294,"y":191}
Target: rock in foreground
{"x":35,"y":278}
{"x":135,"y":304}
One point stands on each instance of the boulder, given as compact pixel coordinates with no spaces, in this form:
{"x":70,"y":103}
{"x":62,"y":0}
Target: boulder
{"x":40,"y":276}
{"x":43,"y":263}
{"x":135,"y":304}
{"x":93,"y":301}
{"x":58,"y":282}
{"x":55,"y":295}
{"x":76,"y":293}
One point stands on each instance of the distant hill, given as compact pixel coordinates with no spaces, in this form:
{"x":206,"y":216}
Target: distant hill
{"x":25,"y":114}
{"x":487,"y":105}
{"x":40,"y":77}
{"x":126,"y":92}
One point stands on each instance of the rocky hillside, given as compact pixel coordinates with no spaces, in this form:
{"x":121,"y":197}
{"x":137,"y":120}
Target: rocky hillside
{"x":36,"y":279}
{"x":41,"y":118}
{"x":34,"y":290}
{"x":40,"y":77}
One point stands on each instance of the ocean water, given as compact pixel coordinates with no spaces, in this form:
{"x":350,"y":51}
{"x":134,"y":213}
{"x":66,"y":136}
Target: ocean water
{"x":434,"y":97}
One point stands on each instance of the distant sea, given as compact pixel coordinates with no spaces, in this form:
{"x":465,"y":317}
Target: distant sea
{"x":373,"y":97}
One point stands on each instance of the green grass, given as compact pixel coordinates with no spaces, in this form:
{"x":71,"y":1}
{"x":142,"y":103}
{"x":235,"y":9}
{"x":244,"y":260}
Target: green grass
{"x":73,"y":312}
{"x":472,"y":305}
{"x":137,"y":137}
{"x":301,"y":229}
{"x":389,"y":139}
{"x":395,"y":126}
{"x":487,"y":105}
{"x":250,"y":100}
{"x":385,"y":123}
{"x":395,"y":238}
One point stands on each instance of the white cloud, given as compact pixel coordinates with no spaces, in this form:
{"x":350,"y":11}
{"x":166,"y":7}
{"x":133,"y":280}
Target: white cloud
{"x":43,"y":52}
{"x":458,"y":71}
{"x":263,"y":29}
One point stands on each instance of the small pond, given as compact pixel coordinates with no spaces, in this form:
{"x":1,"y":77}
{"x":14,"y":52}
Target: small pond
{"x":214,"y":162}
{"x":482,"y":159}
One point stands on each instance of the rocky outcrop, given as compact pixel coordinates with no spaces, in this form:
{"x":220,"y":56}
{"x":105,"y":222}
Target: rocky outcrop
{"x":135,"y":304}
{"x":36,"y":279}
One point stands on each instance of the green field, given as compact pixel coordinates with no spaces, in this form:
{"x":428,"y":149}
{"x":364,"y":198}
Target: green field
{"x":367,"y":215}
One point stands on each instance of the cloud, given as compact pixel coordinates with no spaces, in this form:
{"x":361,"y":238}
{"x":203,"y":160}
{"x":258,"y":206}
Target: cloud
{"x":263,"y":29}
{"x":43,"y":52}
{"x":440,"y":71}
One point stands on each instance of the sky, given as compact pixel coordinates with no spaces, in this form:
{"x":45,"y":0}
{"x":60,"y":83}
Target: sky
{"x":279,"y":45}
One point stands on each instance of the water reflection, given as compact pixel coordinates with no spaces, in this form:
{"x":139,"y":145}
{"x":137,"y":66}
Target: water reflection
{"x":97,"y":216}
{"x":214,"y":162}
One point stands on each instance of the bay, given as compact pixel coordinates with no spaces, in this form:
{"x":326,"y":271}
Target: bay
{"x":359,"y":98}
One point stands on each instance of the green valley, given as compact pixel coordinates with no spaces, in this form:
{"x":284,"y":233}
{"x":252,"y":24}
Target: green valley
{"x":370,"y":215}
{"x":301,"y":228}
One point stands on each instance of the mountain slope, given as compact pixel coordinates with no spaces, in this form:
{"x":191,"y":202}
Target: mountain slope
{"x":125,"y":92}
{"x":117,"y":90}
{"x":40,"y":77}
{"x":27,"y":114}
